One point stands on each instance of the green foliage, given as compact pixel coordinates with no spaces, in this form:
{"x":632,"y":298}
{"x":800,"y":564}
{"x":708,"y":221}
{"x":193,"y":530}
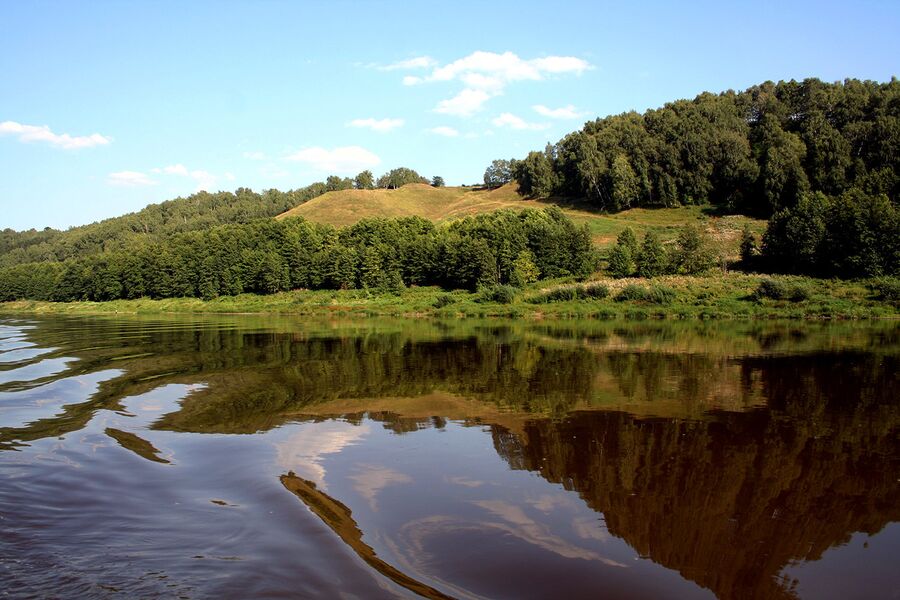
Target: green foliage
{"x":536,"y":175}
{"x":268,"y":256}
{"x":620,"y":263}
{"x":594,"y":291}
{"x":444,"y":300}
{"x":524,"y":271}
{"x":780,"y":290}
{"x":501,"y":294}
{"x":757,"y":151}
{"x":399,"y":177}
{"x":854,"y":235}
{"x":500,"y":172}
{"x":693,"y":253}
{"x":886,"y":289}
{"x":561,"y":294}
{"x":153,"y":224}
{"x":437,"y":181}
{"x":655,"y":294}
{"x":651,"y":259}
{"x":364,"y":181}
{"x":749,"y":248}
{"x":627,"y":239}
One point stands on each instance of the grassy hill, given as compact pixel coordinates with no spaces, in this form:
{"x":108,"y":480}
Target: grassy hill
{"x":346,"y":207}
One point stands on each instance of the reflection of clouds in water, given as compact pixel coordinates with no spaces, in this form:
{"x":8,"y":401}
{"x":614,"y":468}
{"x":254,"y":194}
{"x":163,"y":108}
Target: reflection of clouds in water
{"x":302,"y":451}
{"x":517,"y":523}
{"x":371,"y":479}
{"x":546,"y":503}
{"x":509,"y":519}
{"x":464,"y":481}
{"x":589,"y":528}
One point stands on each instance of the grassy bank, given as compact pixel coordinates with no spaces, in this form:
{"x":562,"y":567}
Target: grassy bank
{"x":731,"y":296}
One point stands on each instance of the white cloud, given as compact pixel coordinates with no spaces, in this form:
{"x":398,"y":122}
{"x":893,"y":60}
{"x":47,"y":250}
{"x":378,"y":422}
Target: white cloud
{"x":566,"y":112}
{"x":419,"y":62}
{"x":204,"y":179}
{"x":486,"y":74}
{"x":42,"y":133}
{"x":178,"y":169}
{"x":513,"y":122}
{"x":254,"y":155}
{"x":346,"y":159}
{"x":464,"y":104}
{"x":379,"y":125}
{"x":129,"y":179}
{"x":444,"y":131}
{"x":507,"y":67}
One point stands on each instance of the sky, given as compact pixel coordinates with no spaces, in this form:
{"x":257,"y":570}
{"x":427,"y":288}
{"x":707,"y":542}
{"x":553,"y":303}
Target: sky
{"x":106,"y":107}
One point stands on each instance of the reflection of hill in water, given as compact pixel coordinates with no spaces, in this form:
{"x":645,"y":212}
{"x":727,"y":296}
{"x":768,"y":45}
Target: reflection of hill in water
{"x":705,"y":480}
{"x":729,"y":502}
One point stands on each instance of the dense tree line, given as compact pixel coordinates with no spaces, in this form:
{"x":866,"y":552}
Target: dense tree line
{"x":267,"y":256}
{"x":852,"y":235}
{"x":197,"y":212}
{"x":755,"y":152}
{"x":155,"y":222}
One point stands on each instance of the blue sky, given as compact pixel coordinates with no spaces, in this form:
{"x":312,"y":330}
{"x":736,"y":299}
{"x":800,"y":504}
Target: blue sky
{"x":108,"y":106}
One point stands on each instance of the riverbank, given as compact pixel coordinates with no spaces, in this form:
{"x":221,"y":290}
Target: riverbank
{"x":730,"y":296}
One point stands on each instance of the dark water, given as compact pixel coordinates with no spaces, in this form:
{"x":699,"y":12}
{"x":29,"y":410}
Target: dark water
{"x":248,"y":457}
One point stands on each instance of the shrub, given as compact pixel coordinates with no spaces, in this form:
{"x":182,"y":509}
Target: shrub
{"x":596,"y":291}
{"x":620,"y":263}
{"x":443,"y":300}
{"x":501,"y":294}
{"x":651,"y":260}
{"x":656,"y":294}
{"x":780,"y":290}
{"x":886,"y":289}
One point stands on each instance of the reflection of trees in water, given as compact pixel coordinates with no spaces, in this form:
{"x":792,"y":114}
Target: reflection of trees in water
{"x":730,"y":501}
{"x":256,"y":379}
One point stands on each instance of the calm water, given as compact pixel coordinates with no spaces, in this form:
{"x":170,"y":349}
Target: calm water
{"x":246,"y":457}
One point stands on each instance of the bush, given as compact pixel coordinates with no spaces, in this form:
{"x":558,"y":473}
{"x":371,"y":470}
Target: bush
{"x":886,"y":289}
{"x":563,"y":294}
{"x":443,"y":300}
{"x":780,"y":290}
{"x":588,"y":292}
{"x":620,"y":263}
{"x":501,"y":294}
{"x":656,"y":294}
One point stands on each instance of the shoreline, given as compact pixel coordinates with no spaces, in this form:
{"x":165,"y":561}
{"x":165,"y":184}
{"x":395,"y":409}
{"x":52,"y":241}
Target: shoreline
{"x":728,"y":296}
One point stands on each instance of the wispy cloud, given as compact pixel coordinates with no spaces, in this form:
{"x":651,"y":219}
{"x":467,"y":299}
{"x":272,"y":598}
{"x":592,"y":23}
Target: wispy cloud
{"x":464,"y":104}
{"x":566,"y":112}
{"x":42,"y":133}
{"x":346,"y":159}
{"x":486,"y":74}
{"x":379,"y":125}
{"x":513,"y":122}
{"x":444,"y":131}
{"x":129,"y":179}
{"x":204,"y":180}
{"x":419,"y":62}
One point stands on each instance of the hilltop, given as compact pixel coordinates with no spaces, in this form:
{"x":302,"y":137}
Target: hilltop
{"x":346,"y":207}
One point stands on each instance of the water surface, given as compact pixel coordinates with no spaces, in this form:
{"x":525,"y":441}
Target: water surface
{"x":273,"y":457}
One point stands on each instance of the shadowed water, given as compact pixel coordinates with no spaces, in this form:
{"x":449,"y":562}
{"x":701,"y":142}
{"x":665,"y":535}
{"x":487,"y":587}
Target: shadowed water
{"x":274,"y":457}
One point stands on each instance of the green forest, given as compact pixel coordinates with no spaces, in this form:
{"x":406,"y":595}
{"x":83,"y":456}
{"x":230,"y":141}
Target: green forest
{"x":818,"y":160}
{"x":268,"y":256}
